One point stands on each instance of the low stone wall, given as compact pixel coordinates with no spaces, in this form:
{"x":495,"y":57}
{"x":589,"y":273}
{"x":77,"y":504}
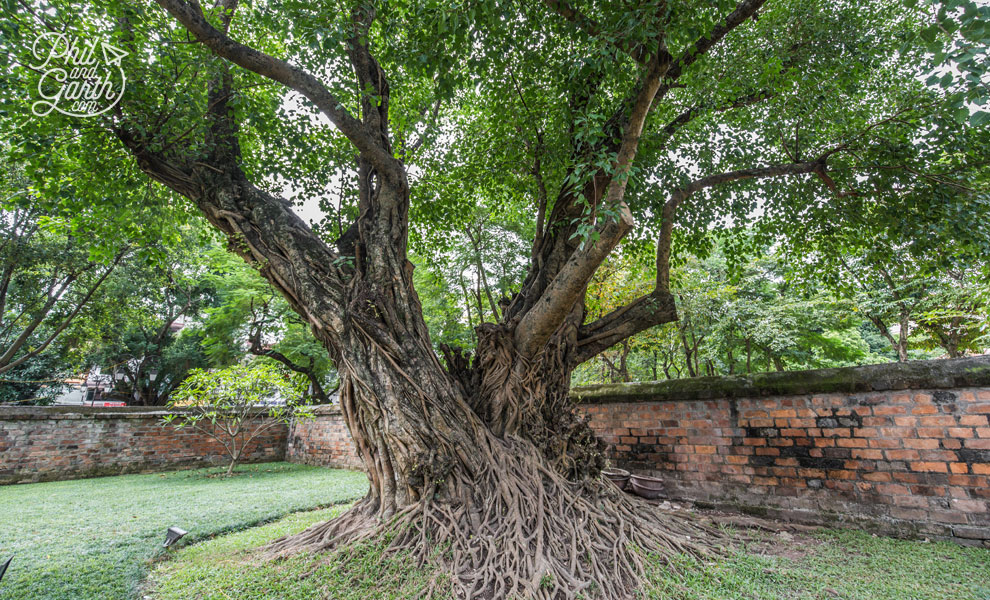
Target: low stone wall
{"x":52,"y":443}
{"x":902,"y":448}
{"x":323,"y":441}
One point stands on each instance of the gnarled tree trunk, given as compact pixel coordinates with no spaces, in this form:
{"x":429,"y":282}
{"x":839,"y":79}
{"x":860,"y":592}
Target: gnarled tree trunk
{"x":484,"y":456}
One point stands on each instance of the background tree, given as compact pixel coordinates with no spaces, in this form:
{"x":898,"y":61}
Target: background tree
{"x":39,"y":380}
{"x":47,"y":281}
{"x":954,"y":312}
{"x":744,"y":319}
{"x":931,"y":262}
{"x":156,"y":338}
{"x":603,"y":122}
{"x":235,"y":405}
{"x":251,"y":317}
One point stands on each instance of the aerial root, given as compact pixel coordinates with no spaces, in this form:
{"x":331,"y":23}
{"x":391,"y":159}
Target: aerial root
{"x":524,"y":531}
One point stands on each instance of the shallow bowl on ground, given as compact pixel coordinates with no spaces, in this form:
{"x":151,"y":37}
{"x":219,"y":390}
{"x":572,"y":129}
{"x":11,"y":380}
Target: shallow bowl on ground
{"x":620,"y":477}
{"x":646,"y":487}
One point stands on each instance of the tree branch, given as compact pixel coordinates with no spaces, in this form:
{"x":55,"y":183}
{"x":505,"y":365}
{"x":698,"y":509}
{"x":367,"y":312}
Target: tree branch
{"x":692,"y":113}
{"x":744,"y":10}
{"x":658,"y":306}
{"x":570,"y":282}
{"x":292,"y":77}
{"x":654,"y":308}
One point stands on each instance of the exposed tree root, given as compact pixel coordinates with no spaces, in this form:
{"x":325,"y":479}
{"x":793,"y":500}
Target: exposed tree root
{"x":521,"y":530}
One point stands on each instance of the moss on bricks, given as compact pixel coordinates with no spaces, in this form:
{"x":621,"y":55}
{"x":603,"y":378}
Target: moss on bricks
{"x":920,"y":374}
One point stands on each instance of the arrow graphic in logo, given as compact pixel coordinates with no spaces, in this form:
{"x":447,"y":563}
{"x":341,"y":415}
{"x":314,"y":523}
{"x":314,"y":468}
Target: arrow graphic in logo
{"x":112,"y":55}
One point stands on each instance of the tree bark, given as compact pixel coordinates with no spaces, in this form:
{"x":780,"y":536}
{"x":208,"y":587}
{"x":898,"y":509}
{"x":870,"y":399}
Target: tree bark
{"x":484,"y":457}
{"x":902,"y":335}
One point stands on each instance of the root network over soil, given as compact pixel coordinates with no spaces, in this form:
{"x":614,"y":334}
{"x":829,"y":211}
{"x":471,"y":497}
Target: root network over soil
{"x":522,"y":530}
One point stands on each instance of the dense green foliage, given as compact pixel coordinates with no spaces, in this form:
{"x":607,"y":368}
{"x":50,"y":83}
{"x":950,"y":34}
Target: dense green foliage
{"x":742,"y":309}
{"x":765,"y":315}
{"x":51,"y":293}
{"x":498,"y":109}
{"x":164,"y":309}
{"x":236,"y":404}
{"x":150,"y":341}
{"x":94,"y":538}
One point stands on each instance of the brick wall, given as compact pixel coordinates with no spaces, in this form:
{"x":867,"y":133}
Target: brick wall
{"x":323,"y":441}
{"x":50,"y":443}
{"x":903,"y":449}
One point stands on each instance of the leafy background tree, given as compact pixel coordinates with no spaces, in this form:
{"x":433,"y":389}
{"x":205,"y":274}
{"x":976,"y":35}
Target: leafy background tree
{"x":251,"y":318}
{"x":236,"y":404}
{"x":151,"y":349}
{"x":48,"y":284}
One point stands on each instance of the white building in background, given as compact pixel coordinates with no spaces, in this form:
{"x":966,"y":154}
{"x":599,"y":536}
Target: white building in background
{"x":90,"y":390}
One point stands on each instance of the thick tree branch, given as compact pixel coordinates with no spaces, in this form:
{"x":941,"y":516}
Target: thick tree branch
{"x":367,"y":142}
{"x":570,"y":282}
{"x":374,"y":106}
{"x":654,"y":308}
{"x":556,"y":245}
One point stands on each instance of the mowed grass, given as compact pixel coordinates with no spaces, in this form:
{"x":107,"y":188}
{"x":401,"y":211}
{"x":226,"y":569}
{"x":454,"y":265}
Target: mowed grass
{"x":229,"y":567}
{"x":837,"y":565}
{"x":96,"y":538}
{"x":830,"y":565}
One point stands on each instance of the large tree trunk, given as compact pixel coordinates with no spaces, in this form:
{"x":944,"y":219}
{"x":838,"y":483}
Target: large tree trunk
{"x":485,"y":456}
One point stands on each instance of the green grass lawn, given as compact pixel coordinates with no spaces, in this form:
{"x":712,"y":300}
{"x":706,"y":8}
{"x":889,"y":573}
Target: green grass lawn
{"x":96,"y":538}
{"x":228,"y":568}
{"x":830,"y":565}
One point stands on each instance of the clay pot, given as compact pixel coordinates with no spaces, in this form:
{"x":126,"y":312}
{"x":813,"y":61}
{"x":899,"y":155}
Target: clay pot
{"x":643,"y":486}
{"x":620,"y":477}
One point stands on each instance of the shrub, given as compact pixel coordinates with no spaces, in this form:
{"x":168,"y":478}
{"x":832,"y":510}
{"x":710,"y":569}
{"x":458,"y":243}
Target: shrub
{"x":235,"y":405}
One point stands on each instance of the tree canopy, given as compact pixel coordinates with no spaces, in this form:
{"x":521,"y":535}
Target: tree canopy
{"x":572,"y":131}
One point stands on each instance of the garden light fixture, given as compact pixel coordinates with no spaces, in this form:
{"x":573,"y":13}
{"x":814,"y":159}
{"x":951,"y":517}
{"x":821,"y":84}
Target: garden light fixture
{"x":172,"y":535}
{"x":3,"y":569}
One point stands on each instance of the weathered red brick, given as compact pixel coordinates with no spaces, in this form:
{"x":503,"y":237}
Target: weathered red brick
{"x":930,"y":467}
{"x":852,"y":443}
{"x":902,"y":454}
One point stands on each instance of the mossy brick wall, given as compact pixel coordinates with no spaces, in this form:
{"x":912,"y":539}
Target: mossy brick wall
{"x":903,"y":449}
{"x":54,"y":443}
{"x":323,"y":441}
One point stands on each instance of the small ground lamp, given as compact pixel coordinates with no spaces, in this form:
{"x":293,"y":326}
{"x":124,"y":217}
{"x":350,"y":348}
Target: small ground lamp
{"x":172,"y":535}
{"x":3,"y":569}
